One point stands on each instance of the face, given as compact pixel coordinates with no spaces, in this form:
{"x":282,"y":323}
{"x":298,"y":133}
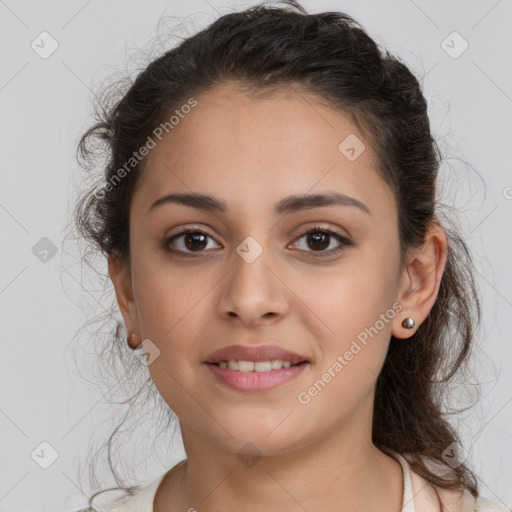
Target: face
{"x":252,"y":275}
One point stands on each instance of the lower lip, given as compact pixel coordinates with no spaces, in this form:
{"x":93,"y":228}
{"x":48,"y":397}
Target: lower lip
{"x":256,"y":381}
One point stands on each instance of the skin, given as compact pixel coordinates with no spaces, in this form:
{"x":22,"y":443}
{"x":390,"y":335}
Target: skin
{"x":251,"y":152}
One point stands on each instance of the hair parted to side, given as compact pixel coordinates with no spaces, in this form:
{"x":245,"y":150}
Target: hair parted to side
{"x":267,"y":48}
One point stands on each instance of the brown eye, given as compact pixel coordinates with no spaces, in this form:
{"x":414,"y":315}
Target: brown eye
{"x":188,"y":241}
{"x":318,"y":240}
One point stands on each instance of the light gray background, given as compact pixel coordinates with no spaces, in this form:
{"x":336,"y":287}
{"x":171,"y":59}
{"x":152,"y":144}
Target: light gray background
{"x":45,"y":106}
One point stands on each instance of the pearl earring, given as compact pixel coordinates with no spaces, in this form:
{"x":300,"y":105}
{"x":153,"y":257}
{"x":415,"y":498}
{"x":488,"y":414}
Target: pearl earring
{"x":408,"y":323}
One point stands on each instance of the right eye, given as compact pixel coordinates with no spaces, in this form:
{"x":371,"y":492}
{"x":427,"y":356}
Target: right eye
{"x":189,"y":242}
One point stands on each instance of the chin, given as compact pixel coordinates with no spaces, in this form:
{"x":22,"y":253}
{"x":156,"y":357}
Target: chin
{"x":248,"y":439}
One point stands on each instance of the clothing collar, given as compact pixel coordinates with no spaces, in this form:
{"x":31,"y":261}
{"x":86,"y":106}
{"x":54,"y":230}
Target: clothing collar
{"x":418,"y":496}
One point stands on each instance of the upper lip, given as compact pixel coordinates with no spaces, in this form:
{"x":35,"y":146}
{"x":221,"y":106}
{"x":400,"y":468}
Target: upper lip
{"x":254,"y":353}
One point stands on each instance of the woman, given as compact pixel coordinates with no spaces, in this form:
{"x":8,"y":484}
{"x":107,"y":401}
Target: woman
{"x":269,"y":216}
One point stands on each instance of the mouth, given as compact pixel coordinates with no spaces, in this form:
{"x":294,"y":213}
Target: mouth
{"x":259,"y":358}
{"x":256,"y":366}
{"x":255,"y":376}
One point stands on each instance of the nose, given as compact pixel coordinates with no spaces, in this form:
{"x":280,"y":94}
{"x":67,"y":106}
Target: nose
{"x":253,"y":292}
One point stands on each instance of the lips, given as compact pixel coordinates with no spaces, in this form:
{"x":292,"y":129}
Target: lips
{"x":257,"y":353}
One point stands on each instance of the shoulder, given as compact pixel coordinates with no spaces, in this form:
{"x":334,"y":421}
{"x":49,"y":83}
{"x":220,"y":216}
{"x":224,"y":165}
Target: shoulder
{"x":140,"y":501}
{"x":486,"y":505}
{"x":482,"y":504}
{"x":453,"y":501}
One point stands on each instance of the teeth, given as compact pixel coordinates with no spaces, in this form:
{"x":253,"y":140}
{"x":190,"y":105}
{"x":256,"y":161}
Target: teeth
{"x":276,"y":364}
{"x":262,"y":366}
{"x":244,"y":366}
{"x":255,"y":366}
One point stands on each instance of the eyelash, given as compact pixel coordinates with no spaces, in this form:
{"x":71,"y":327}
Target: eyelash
{"x":316,"y":229}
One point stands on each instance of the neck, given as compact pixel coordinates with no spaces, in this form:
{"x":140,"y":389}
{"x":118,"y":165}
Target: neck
{"x":341,"y":473}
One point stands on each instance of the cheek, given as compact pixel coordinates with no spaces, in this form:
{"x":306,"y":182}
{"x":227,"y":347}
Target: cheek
{"x":167,"y":307}
{"x":357,"y":303}
{"x":355,"y":299}
{"x":360,"y":315}
{"x":167,"y":296}
{"x":174,"y":308}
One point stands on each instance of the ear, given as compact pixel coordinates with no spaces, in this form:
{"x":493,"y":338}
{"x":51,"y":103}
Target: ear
{"x":421,"y":279}
{"x":121,"y":278}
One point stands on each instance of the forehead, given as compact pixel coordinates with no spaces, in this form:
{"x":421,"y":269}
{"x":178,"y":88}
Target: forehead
{"x":274,"y":144}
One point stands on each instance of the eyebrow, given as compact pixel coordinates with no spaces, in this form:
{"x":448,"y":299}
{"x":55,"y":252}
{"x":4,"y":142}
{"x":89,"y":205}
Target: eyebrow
{"x":291,"y":204}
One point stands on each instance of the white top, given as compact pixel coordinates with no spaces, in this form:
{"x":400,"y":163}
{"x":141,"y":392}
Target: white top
{"x":418,"y":496}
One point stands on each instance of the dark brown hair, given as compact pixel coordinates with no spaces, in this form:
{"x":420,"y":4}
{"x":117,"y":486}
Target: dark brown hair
{"x":328,"y":54}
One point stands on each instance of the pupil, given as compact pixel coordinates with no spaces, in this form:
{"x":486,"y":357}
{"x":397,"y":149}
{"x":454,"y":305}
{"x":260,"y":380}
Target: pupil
{"x":193,"y":245}
{"x":316,"y":237}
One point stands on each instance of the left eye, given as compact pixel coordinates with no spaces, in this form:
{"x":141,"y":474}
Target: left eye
{"x":322,"y":238}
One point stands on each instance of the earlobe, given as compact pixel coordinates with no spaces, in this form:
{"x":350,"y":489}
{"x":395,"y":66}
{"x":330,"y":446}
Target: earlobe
{"x":421,"y":280}
{"x":121,"y":279}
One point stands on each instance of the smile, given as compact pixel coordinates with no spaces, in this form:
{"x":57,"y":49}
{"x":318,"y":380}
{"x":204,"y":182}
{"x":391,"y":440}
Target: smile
{"x":256,"y":375}
{"x":256,"y":366}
